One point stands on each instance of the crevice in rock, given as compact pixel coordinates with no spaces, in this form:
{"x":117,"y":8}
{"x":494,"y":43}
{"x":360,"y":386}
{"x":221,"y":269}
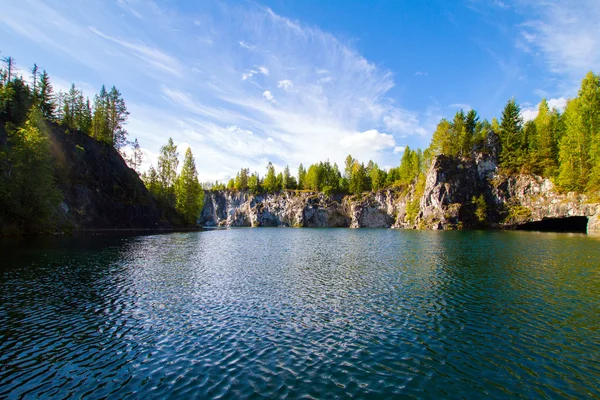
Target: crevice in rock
{"x":568,"y":224}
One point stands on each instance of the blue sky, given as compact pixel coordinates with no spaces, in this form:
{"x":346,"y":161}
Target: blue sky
{"x":243,"y":83}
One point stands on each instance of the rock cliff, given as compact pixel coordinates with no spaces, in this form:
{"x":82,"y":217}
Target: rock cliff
{"x":447,"y":202}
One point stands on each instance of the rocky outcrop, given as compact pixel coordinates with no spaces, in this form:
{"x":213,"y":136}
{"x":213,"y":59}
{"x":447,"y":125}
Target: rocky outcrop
{"x":458,"y":193}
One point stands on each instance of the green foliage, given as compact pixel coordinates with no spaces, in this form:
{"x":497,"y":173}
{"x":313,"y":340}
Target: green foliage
{"x":511,"y":136}
{"x":480,"y":208}
{"x":28,"y":192}
{"x":518,"y":215}
{"x":189,"y":196}
{"x":414,"y":206}
{"x":167,"y":172}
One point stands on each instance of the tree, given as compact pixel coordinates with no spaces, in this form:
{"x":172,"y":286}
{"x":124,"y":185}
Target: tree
{"x":100,"y":129}
{"x":511,"y":130}
{"x":301,"y":177}
{"x":152,"y":182}
{"x":167,"y":171}
{"x":241,"y":179}
{"x":254,"y":183}
{"x":543,"y":147}
{"x":116,"y":118}
{"x":359,"y":179}
{"x":270,"y":183}
{"x":34,"y":80}
{"x":136,"y":156}
{"x":442,"y":141}
{"x":30,"y":195}
{"x":188,"y":193}
{"x":287,"y":181}
{"x":46,"y":102}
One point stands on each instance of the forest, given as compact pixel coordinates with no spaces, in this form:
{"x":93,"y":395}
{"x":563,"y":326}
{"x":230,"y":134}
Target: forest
{"x":561,"y":145}
{"x":29,"y":179}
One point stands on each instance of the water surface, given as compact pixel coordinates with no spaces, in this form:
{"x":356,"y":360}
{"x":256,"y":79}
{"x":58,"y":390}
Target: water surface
{"x":300,"y":313}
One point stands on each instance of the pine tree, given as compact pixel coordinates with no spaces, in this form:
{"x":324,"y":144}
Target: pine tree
{"x":135,"y":162}
{"x":116,"y":118}
{"x":189,"y":195}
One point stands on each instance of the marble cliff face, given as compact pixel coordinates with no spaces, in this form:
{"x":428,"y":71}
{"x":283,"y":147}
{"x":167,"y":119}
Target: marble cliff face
{"x":447,"y":202}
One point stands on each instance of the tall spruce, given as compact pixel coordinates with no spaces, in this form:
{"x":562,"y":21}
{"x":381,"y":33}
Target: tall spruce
{"x":188,"y":193}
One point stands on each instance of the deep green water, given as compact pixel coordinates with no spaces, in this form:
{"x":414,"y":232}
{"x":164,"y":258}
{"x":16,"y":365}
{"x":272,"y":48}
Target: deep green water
{"x":325,"y":313}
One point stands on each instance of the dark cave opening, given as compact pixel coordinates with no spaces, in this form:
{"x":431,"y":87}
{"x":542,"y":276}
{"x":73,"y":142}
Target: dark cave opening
{"x":568,"y":224}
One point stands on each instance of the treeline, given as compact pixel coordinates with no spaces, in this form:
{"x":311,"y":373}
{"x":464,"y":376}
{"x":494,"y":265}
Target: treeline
{"x":104,"y":120}
{"x":180,"y":191}
{"x":562,"y":146}
{"x":327,"y":178}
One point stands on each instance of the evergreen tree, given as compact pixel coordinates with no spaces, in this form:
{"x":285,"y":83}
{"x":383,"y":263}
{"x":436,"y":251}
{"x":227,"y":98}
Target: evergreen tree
{"x":189,"y":195}
{"x":46,"y":102}
{"x":254,"y":183}
{"x":116,"y":118}
{"x":287,"y":184}
{"x":511,"y":132}
{"x":301,"y":177}
{"x":100,"y":129}
{"x":167,"y":171}
{"x":270,"y":183}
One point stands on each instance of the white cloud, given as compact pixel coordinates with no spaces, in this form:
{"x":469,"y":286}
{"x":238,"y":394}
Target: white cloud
{"x":246,"y":45}
{"x":251,"y":72}
{"x":529,"y":113}
{"x":286,"y":85}
{"x":421,"y":73}
{"x":567,"y":34}
{"x":559,"y":103}
{"x":399,"y":149}
{"x":460,"y":106}
{"x":267,"y":95}
{"x":372,"y":140}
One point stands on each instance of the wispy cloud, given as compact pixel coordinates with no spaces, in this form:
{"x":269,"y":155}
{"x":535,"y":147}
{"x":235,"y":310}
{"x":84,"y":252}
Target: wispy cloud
{"x":152,"y":56}
{"x":566,"y":33}
{"x":241,"y":85}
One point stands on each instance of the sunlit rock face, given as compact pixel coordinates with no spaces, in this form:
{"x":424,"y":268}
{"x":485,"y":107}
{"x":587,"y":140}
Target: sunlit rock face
{"x":448,"y":201}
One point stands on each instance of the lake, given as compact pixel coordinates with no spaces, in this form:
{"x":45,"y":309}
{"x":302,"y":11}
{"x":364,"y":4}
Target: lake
{"x":301,"y":313}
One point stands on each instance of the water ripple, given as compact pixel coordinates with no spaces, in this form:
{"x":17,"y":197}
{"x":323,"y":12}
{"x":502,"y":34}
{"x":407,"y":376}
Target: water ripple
{"x":301,"y":313}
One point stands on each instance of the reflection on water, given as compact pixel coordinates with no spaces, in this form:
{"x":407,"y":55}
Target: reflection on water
{"x":301,"y":312}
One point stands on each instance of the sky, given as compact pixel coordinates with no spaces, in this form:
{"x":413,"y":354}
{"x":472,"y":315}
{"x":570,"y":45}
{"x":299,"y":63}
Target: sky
{"x":243,"y":83}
